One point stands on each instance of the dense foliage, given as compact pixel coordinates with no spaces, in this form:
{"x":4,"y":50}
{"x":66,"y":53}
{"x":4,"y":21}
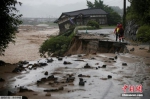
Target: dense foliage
{"x":57,"y":45}
{"x":93,"y":23}
{"x":113,"y":17}
{"x":139,"y":11}
{"x":9,"y":21}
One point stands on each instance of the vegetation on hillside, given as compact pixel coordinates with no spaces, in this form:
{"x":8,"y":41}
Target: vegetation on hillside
{"x":113,"y":17}
{"x":9,"y":21}
{"x":139,"y":11}
{"x":57,"y":45}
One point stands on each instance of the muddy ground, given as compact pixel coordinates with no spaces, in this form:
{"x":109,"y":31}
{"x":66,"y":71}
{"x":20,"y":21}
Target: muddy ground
{"x":65,"y":83}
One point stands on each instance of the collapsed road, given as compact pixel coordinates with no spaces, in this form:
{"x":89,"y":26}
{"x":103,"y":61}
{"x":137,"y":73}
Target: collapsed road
{"x":93,"y":75}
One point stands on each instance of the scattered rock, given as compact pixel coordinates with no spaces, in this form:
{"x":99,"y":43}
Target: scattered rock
{"x":65,"y":62}
{"x":50,"y":60}
{"x":115,"y":57}
{"x":61,"y":88}
{"x":2,"y":63}
{"x":70,"y":79}
{"x":79,"y":60}
{"x":24,"y":97}
{"x":132,"y":49}
{"x":109,"y":76}
{"x":96,"y":68}
{"x":80,"y":75}
{"x":81,"y":82}
{"x":92,"y":58}
{"x":23,"y":89}
{"x":51,"y":90}
{"x":104,"y":66}
{"x":96,"y":63}
{"x":47,"y":94}
{"x":46,"y":73}
{"x":79,"y":55}
{"x":87,"y":66}
{"x":23,"y":62}
{"x":103,"y":78}
{"x":43,"y":64}
{"x":60,"y":58}
{"x":2,"y":80}
{"x":124,"y":64}
{"x":111,"y":58}
{"x":10,"y":93}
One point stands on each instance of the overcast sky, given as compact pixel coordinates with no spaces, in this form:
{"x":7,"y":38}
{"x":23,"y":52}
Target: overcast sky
{"x":45,"y":8}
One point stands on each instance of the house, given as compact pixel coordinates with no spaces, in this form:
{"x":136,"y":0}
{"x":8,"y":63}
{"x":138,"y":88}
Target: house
{"x":81,"y":17}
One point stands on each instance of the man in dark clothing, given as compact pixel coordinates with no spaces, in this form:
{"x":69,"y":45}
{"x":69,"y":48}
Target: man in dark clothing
{"x":121,"y":33}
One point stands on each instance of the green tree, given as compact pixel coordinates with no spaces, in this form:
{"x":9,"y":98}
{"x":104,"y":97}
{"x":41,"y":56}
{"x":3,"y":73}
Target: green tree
{"x":9,"y":20}
{"x":139,"y":11}
{"x":143,"y":34}
{"x":93,"y":23}
{"x":113,"y":17}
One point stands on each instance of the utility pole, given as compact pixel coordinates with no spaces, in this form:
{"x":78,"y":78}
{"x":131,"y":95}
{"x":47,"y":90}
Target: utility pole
{"x":124,"y":13}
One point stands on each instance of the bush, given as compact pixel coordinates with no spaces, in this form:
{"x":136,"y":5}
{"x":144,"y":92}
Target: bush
{"x":143,"y":34}
{"x":93,"y":23}
{"x":57,"y":45}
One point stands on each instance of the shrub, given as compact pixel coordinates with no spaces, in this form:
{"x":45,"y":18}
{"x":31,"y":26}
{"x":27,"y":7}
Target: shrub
{"x":143,"y":34}
{"x":57,"y":45}
{"x":93,"y":23}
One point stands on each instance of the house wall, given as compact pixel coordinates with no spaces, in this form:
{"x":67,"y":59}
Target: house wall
{"x":64,"y":25}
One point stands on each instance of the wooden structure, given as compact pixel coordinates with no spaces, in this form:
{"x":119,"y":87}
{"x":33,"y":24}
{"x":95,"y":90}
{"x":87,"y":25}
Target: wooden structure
{"x":81,"y":17}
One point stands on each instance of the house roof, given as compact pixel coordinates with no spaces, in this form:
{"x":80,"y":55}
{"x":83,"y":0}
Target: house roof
{"x":85,"y":12}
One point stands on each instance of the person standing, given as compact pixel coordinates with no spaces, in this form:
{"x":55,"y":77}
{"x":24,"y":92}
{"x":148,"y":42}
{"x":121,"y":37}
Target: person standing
{"x":116,"y":31}
{"x":121,"y":33}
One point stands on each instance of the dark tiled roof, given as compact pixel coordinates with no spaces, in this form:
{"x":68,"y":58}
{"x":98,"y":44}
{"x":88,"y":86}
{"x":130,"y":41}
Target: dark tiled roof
{"x":85,"y":12}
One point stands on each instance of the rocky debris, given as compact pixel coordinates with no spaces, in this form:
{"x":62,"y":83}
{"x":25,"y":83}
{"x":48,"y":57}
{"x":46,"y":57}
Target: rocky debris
{"x":2,"y":63}
{"x":23,"y":62}
{"x":142,"y":48}
{"x":50,"y":60}
{"x":18,"y":69}
{"x":79,"y":55}
{"x":109,"y":76}
{"x":124,"y":64}
{"x":54,"y":90}
{"x":70,"y":79}
{"x":24,"y":97}
{"x":79,"y":60}
{"x":111,"y":58}
{"x":104,"y":66}
{"x":132,"y":49}
{"x":23,"y":89}
{"x":46,"y":73}
{"x":96,"y":63}
{"x":10,"y":93}
{"x":43,"y":64}
{"x":81,"y":82}
{"x":2,"y":80}
{"x":47,"y":94}
{"x":65,"y":62}
{"x":115,"y":57}
{"x":59,"y":58}
{"x":103,"y":78}
{"x":80,"y":75}
{"x":87,"y":66}
{"x":52,"y":78}
{"x":93,"y":58}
